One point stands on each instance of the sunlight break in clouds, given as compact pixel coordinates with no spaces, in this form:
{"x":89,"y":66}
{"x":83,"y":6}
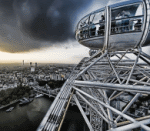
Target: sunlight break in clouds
{"x":68,"y":52}
{"x":47,"y":55}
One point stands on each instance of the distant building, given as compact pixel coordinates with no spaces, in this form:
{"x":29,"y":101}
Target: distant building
{"x":10,"y":85}
{"x":32,"y":69}
{"x":1,"y":85}
{"x":15,"y":84}
{"x":31,"y":83}
{"x":25,"y":80}
{"x":19,"y":75}
{"x":23,"y":62}
{"x":5,"y":86}
{"x":30,"y":63}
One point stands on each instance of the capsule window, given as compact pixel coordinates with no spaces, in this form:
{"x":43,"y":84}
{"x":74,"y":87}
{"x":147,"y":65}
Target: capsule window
{"x":98,"y":17}
{"x":127,"y":19}
{"x":84,"y":22}
{"x":83,"y":26}
{"x":127,"y":11}
{"x":96,"y":24}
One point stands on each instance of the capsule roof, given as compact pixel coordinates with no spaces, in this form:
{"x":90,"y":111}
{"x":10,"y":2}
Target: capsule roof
{"x":118,"y":4}
{"x":125,"y":3}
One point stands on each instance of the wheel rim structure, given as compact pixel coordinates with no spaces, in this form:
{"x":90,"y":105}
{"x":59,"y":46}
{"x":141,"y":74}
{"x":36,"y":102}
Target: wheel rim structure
{"x":117,"y":89}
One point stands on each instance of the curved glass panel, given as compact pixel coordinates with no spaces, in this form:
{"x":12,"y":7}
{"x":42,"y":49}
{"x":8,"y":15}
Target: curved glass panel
{"x":82,"y":31}
{"x":99,"y":16}
{"x":84,"y":22}
{"x":91,"y":26}
{"x":97,"y":24}
{"x":127,"y":11}
{"x":127,"y":19}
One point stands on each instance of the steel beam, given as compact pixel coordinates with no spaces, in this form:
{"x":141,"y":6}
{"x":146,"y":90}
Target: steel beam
{"x":133,"y":126}
{"x":103,"y":104}
{"x":133,"y":69}
{"x":111,"y":65}
{"x":111,"y":108}
{"x":119,"y":87}
{"x":105,"y":119}
{"x":129,"y":122}
{"x":84,"y":70}
{"x":83,"y":114}
{"x":128,"y":106}
{"x":101,"y":107}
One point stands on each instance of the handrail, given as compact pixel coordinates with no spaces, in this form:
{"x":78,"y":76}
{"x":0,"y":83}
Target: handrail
{"x":65,"y":111}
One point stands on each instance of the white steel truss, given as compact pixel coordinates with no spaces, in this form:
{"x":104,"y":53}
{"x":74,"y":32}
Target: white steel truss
{"x":115,"y":89}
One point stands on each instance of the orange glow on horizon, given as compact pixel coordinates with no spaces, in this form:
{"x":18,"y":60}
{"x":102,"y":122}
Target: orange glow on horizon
{"x":46,"y":55}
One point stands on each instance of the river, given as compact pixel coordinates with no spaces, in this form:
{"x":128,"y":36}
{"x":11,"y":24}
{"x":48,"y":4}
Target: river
{"x":28,"y":117}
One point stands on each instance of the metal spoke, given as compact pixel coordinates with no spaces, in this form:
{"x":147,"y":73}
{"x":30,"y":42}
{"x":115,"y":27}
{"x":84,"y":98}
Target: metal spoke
{"x":133,"y":126}
{"x":126,"y":88}
{"x":83,"y":114}
{"x":113,"y":69}
{"x":111,"y":108}
{"x":92,"y":64}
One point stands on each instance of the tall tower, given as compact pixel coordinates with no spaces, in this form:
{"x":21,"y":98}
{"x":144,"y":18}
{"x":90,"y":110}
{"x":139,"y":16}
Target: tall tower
{"x":23,"y":62}
{"x":35,"y":64}
{"x":30,"y":63}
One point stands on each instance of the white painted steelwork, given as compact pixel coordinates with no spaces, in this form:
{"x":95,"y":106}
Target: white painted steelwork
{"x":114,"y":87}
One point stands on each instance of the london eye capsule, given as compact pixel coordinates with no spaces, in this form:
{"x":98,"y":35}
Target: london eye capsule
{"x":116,"y":27}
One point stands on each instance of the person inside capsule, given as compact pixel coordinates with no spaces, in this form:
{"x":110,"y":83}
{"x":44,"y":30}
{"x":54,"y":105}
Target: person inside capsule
{"x":81,"y":32}
{"x":118,"y":23}
{"x":85,"y":30}
{"x":92,"y":29}
{"x":102,"y":25}
{"x":138,"y":25}
{"x":125,"y":22}
{"x":122,"y":25}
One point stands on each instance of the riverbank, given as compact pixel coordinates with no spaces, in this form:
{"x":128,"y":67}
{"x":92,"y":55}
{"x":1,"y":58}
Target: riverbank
{"x":29,"y":117}
{"x":10,"y":95}
{"x":24,"y":118}
{"x":13,"y":102}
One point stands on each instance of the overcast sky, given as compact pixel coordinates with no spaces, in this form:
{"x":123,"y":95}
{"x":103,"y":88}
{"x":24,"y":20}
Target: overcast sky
{"x":43,"y":30}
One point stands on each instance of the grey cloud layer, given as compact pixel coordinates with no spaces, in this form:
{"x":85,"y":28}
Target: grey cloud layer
{"x":28,"y":24}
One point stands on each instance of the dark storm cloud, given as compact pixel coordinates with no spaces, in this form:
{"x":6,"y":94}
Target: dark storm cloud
{"x":29,"y":24}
